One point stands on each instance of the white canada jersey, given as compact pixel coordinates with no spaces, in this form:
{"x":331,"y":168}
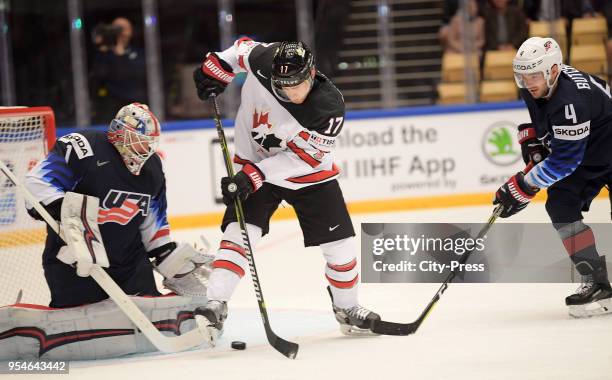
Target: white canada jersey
{"x":291,"y":144}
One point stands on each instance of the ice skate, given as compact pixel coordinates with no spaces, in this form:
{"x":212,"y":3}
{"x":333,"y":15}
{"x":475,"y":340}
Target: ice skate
{"x":356,"y":320}
{"x":591,"y":299}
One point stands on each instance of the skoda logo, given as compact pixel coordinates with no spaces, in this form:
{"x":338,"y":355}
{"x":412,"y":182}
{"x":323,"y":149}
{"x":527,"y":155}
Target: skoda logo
{"x":500,"y":144}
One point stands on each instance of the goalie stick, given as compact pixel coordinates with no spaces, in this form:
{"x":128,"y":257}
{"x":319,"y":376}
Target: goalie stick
{"x":193,"y":338}
{"x":289,"y":349}
{"x":392,"y":328}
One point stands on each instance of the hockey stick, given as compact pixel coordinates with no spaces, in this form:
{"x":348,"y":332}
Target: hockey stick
{"x":289,"y":349}
{"x":193,"y":338}
{"x":392,"y":328}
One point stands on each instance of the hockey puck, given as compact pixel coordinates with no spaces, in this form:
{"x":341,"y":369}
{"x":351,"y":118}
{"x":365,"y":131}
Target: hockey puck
{"x":238,"y":345}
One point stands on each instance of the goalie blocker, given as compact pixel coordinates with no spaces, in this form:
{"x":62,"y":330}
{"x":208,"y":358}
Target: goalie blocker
{"x":84,"y":246}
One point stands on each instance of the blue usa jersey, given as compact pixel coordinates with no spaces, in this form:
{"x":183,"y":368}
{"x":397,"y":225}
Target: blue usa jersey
{"x":575,"y":124}
{"x":132,"y":214}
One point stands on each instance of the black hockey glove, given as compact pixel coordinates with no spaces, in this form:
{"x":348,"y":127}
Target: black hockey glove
{"x":212,"y":76}
{"x":245,"y":182}
{"x":514,"y":195}
{"x":532,"y":149}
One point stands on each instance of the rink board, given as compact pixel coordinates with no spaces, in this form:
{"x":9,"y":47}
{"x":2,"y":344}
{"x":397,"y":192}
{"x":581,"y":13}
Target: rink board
{"x":384,"y":158}
{"x":401,"y":159}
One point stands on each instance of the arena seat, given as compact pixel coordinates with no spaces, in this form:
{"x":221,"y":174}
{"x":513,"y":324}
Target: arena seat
{"x":589,"y":58}
{"x":452,"y":93}
{"x":498,"y":64}
{"x":453,"y":67}
{"x":498,"y":90}
{"x":589,"y":31}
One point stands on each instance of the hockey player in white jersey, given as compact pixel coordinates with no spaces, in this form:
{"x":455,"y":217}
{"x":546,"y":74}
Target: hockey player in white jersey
{"x":285,"y":131}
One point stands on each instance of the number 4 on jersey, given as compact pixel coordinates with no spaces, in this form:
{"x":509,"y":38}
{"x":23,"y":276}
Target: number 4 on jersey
{"x":570,"y":113}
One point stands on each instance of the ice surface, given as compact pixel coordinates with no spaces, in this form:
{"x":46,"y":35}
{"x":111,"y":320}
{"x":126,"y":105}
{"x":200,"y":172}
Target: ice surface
{"x":477,"y":331}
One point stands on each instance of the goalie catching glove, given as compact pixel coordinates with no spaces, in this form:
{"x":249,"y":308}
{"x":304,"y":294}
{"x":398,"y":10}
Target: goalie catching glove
{"x":185,"y":269}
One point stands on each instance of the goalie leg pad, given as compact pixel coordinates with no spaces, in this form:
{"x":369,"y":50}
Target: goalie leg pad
{"x":95,"y":331}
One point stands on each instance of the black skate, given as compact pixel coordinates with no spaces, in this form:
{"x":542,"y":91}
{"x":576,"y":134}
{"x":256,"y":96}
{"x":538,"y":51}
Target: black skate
{"x":591,"y":299}
{"x":212,"y":315}
{"x":356,"y":320}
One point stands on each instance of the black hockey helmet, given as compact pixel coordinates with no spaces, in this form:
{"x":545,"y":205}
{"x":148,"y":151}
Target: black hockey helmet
{"x":291,"y":64}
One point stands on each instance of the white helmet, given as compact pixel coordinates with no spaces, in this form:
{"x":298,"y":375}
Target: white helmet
{"x":135,"y":133}
{"x":537,"y":54}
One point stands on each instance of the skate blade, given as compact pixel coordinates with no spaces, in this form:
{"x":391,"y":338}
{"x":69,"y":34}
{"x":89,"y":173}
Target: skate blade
{"x":209,"y":331}
{"x":592,"y":309}
{"x":349,"y":330}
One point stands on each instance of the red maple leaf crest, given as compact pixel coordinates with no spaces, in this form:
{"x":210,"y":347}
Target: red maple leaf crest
{"x":262,"y":132}
{"x":261,"y":119}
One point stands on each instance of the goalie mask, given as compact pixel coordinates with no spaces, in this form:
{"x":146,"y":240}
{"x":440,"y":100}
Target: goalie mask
{"x":135,"y":134}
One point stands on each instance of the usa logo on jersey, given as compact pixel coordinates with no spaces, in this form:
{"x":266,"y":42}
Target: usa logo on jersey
{"x":122,"y":206}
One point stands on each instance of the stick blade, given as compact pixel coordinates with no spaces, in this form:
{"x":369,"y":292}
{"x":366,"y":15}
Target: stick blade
{"x":289,"y":349}
{"x":392,"y":328}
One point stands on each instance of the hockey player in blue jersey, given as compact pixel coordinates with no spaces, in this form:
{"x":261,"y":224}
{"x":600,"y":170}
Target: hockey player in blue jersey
{"x":121,"y":168}
{"x":570,"y":143}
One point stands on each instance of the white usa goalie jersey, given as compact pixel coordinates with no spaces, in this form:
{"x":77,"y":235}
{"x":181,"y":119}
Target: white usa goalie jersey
{"x":290,"y":143}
